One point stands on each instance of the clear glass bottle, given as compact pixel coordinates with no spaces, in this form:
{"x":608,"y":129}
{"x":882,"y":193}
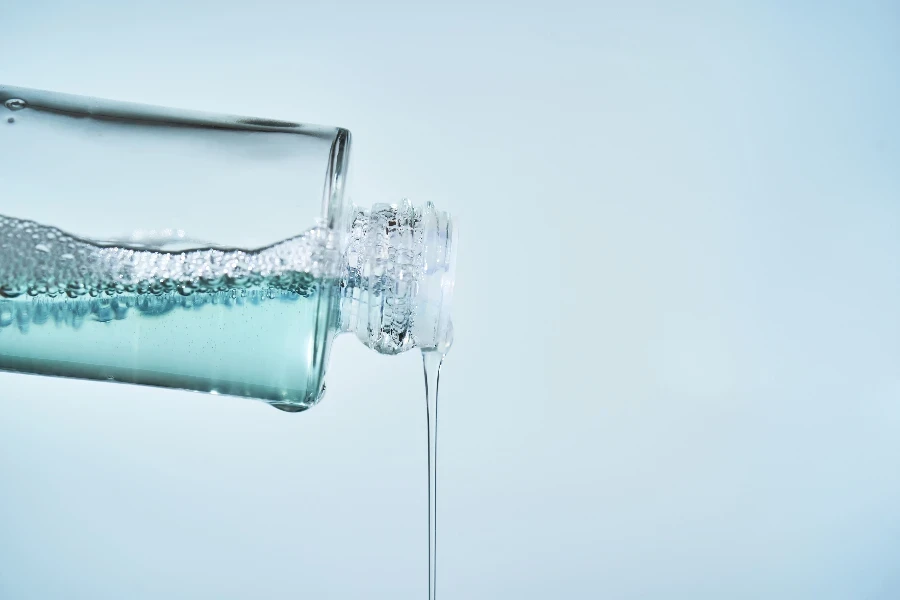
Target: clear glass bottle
{"x":212,"y":253}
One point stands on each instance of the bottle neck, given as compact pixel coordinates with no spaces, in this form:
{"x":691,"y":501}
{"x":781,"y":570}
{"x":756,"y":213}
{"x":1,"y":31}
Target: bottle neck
{"x":397,"y":284}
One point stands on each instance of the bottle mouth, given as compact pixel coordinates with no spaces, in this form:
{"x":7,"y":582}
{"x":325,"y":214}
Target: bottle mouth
{"x":399,"y":277}
{"x":438,"y":280}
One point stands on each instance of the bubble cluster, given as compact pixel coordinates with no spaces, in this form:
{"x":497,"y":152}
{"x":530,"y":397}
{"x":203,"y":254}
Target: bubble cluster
{"x":42,"y":261}
{"x":48,"y":275}
{"x":73,"y":313}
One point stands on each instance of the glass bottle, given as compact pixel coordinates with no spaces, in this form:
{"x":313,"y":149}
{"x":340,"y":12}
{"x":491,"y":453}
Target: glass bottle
{"x":212,"y":253}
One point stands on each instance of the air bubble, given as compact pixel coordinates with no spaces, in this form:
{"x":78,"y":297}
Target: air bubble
{"x":37,"y":290}
{"x":74,"y":289}
{"x":15,"y":104}
{"x":12,"y":290}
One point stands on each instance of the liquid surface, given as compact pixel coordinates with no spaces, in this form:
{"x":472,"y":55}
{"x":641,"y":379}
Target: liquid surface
{"x":256,"y":324}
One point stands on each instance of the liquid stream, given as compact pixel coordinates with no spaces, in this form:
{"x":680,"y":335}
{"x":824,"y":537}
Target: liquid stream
{"x":432,"y":361}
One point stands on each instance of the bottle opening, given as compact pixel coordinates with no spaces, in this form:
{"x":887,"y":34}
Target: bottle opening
{"x":399,"y":277}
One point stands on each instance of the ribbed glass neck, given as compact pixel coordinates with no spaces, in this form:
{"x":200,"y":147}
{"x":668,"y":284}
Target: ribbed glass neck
{"x":397,"y":284}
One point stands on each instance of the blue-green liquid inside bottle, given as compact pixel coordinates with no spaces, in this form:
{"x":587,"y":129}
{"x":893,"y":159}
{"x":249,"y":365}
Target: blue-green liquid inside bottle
{"x":266,"y":341}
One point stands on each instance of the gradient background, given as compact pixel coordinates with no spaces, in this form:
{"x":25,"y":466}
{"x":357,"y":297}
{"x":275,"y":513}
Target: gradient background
{"x":677,"y":366}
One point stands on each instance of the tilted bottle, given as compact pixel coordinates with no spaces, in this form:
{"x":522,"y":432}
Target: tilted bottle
{"x":212,"y":253}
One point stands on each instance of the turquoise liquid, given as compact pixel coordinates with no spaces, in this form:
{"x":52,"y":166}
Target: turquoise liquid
{"x":263,"y":341}
{"x":250,"y":323}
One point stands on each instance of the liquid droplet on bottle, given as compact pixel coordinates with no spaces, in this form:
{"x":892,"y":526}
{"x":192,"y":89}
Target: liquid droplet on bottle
{"x":10,"y":120}
{"x":15,"y":104}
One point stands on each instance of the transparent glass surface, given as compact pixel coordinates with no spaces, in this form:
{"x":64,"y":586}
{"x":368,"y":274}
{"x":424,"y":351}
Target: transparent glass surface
{"x":169,"y":248}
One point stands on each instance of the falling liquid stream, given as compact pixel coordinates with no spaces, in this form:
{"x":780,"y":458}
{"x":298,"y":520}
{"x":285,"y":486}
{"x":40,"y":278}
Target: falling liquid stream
{"x":431,"y":361}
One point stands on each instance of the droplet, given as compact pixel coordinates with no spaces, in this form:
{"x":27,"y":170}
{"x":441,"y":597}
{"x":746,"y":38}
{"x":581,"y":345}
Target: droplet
{"x":42,"y":248}
{"x":290,"y":408}
{"x":15,"y":104}
{"x":10,"y":120}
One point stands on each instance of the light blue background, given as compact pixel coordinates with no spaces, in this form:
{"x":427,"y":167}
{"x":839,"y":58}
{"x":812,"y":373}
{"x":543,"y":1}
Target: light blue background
{"x":677,"y":367}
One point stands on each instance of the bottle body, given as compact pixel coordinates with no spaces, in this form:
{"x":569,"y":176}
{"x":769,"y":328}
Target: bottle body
{"x":184,"y":250}
{"x":263,"y":341}
{"x":102,"y":202}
